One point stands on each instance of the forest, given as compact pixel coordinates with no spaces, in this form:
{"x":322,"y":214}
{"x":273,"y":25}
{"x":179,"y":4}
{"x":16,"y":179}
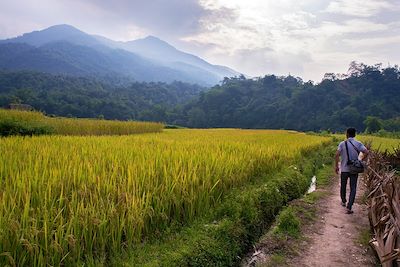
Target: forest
{"x":366,"y":97}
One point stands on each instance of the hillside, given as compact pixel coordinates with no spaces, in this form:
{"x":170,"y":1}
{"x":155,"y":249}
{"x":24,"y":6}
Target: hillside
{"x":164,"y":53}
{"x":269,"y":102}
{"x":63,"y":49}
{"x":86,"y":97}
{"x":289,"y":103}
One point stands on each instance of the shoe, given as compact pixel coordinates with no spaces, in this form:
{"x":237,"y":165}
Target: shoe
{"x":349,"y":211}
{"x":343,"y":204}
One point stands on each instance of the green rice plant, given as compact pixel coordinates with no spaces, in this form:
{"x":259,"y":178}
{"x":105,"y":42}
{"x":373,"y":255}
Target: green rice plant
{"x":381,"y":143}
{"x":378,"y":143}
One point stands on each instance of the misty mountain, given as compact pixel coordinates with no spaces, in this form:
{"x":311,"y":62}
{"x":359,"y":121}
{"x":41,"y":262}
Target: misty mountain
{"x":63,"y":49}
{"x":67,"y":58}
{"x":160,"y":51}
{"x":55,"y":34}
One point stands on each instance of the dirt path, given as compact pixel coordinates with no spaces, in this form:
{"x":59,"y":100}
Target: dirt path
{"x":334,"y":240}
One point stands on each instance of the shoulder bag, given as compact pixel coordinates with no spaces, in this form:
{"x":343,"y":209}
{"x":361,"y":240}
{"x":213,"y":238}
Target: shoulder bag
{"x":355,"y":165}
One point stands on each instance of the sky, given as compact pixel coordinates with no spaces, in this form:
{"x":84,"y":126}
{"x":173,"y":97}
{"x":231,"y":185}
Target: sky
{"x":305,"y":38}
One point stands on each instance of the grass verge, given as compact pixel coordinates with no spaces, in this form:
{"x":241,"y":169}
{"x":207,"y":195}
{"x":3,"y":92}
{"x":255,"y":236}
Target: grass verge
{"x":285,"y":238}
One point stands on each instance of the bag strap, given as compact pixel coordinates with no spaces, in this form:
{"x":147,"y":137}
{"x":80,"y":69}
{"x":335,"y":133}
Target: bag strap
{"x":347,"y":151}
{"x":358,"y":151}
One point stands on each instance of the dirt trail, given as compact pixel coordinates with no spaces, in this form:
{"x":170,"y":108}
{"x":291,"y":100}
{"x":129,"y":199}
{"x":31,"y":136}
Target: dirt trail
{"x":334,"y":240}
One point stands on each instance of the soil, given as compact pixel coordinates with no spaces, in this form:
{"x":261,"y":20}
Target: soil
{"x":331,"y":238}
{"x":335,"y":240}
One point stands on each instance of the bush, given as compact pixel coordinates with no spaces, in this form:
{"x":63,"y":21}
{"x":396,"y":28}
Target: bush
{"x":288,"y":223}
{"x":10,"y":127}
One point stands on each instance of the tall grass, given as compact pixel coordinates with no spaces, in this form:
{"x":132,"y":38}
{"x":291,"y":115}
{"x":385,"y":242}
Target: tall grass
{"x":69,"y":200}
{"x":378,"y":143}
{"x":381,"y":143}
{"x":67,"y":126}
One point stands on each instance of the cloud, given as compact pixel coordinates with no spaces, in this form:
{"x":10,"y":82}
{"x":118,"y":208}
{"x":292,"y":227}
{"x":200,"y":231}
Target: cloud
{"x":173,"y":17}
{"x":359,"y":8}
{"x":303,"y":37}
{"x":165,"y":18}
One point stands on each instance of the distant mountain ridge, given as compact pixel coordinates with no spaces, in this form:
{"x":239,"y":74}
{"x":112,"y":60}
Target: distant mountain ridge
{"x":63,"y":49}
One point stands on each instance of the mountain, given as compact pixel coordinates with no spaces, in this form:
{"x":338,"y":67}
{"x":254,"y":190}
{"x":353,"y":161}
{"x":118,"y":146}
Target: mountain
{"x":159,"y":50}
{"x":63,"y":49}
{"x":66,"y":58}
{"x":55,"y":33}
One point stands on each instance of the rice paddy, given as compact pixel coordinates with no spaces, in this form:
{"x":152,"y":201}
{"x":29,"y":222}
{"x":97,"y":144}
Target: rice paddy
{"x":72,"y":126}
{"x":68,"y":200}
{"x":377,"y":143}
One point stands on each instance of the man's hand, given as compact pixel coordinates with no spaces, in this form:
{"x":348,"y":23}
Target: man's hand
{"x":337,"y":155}
{"x":365,"y":154}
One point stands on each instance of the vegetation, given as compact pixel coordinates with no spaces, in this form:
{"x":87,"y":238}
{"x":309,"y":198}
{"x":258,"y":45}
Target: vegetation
{"x":22,"y":123}
{"x":380,"y":143}
{"x":289,"y":103}
{"x":233,"y":226}
{"x":77,"y":199}
{"x":366,"y":98}
{"x":15,"y":122}
{"x":383,"y":128}
{"x":288,"y":223}
{"x":89,"y":98}
{"x":285,"y":238}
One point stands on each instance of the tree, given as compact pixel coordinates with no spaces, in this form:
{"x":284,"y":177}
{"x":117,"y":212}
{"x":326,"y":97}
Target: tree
{"x":372,"y":124}
{"x":197,"y":118}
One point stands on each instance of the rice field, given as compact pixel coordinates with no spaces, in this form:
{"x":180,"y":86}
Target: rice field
{"x":381,"y":143}
{"x":70,"y":126}
{"x":69,"y":200}
{"x":377,"y":143}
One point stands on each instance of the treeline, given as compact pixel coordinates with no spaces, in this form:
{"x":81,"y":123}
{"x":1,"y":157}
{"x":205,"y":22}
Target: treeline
{"x":383,"y":128}
{"x":275,"y":102}
{"x":90,"y":98}
{"x":367,"y":97}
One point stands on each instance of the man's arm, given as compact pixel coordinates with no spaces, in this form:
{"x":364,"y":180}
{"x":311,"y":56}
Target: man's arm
{"x":365,"y":153}
{"x":337,"y":157}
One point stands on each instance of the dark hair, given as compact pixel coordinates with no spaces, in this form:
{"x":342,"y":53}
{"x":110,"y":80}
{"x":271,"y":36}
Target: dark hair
{"x":351,"y":132}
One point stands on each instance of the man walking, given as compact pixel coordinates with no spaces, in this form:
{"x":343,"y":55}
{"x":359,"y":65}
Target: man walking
{"x":352,"y":148}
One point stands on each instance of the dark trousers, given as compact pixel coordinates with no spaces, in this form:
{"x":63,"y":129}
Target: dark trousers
{"x":344,"y":176}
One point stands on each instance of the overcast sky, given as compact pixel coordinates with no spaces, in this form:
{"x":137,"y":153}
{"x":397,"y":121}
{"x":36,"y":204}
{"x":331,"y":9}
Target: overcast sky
{"x":306,"y":38}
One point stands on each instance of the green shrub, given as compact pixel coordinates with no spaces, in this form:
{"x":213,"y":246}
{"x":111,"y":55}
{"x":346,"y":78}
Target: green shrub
{"x":288,"y":223}
{"x":10,"y":127}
